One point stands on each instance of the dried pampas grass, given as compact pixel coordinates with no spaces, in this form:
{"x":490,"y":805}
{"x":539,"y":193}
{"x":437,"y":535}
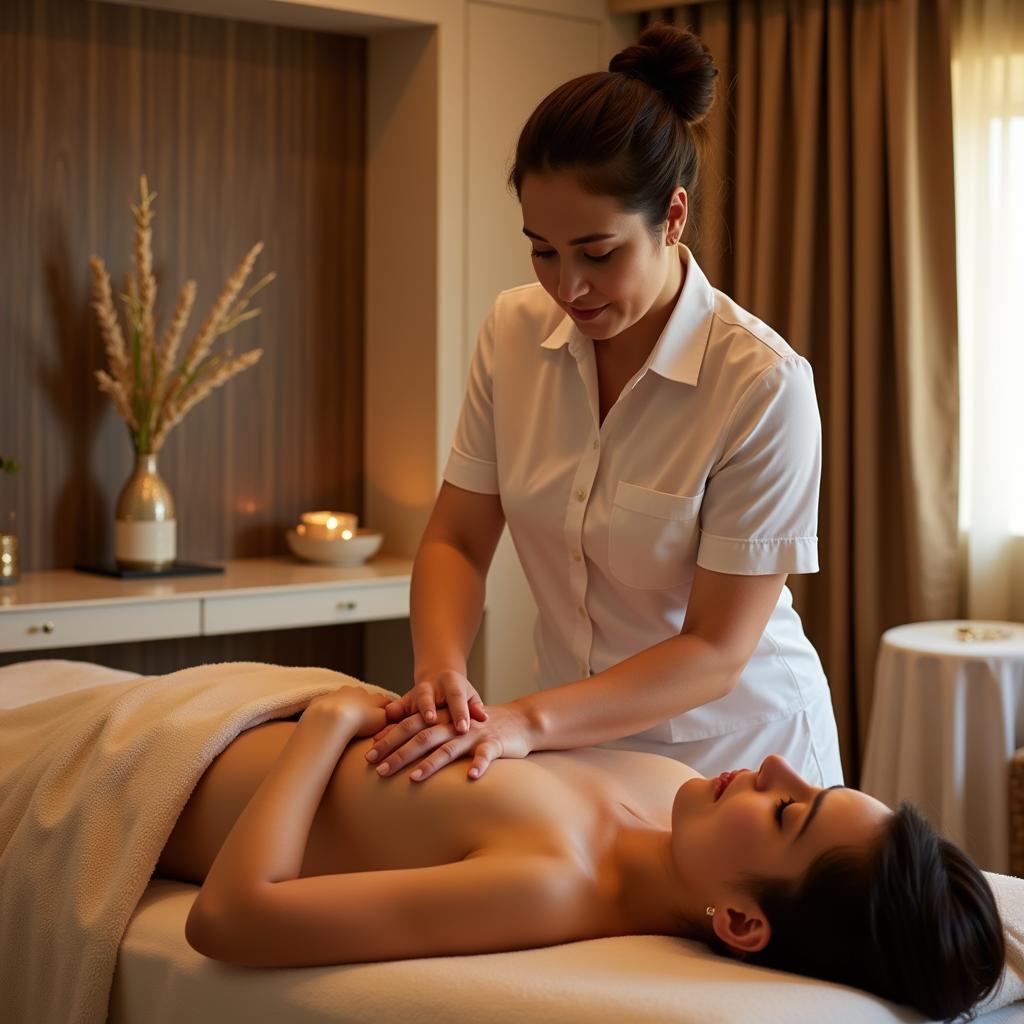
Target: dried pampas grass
{"x":150,"y":389}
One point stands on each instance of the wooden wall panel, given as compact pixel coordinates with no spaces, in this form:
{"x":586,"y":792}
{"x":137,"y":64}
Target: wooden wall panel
{"x":246,"y":132}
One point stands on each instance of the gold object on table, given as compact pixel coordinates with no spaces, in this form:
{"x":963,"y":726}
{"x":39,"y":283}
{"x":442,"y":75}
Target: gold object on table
{"x":968,"y":634}
{"x":8,"y":558}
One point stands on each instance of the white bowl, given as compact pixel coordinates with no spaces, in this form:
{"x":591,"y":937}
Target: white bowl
{"x":354,"y":551}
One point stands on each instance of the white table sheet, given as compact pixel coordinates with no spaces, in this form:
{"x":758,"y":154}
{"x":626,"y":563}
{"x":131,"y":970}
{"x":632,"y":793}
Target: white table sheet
{"x":634,"y":979}
{"x":947,"y":717}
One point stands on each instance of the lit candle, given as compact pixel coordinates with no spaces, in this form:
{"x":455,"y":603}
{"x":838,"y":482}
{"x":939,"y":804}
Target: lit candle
{"x":329,"y":525}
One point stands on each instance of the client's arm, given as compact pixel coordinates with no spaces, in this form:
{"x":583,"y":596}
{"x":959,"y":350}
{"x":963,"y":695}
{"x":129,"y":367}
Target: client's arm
{"x":253,"y":910}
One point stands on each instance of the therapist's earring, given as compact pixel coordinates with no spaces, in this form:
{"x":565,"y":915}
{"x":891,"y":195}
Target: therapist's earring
{"x":710,"y":911}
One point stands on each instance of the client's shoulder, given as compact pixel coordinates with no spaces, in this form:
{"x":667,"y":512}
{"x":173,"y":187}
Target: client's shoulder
{"x":634,"y":768}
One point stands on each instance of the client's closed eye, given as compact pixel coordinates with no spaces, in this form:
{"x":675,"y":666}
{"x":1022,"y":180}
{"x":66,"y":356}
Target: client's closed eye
{"x":780,"y":807}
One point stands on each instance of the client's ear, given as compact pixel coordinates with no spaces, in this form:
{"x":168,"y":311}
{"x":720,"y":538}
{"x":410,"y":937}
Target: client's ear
{"x":742,"y":927}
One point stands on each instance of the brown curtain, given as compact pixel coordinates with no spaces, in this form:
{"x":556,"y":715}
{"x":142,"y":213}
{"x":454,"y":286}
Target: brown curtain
{"x":825,"y":207}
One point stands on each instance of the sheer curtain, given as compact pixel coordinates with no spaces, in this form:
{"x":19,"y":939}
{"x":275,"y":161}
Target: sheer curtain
{"x":988,"y":129}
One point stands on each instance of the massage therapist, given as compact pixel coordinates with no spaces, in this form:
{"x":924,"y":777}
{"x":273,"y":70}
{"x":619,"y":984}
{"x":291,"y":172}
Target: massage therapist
{"x":655,"y":450}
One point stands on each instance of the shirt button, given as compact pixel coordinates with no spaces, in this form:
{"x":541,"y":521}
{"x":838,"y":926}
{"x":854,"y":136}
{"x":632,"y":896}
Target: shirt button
{"x":583,"y":667}
{"x":577,"y":556}
{"x":597,"y":444}
{"x":581,"y":494}
{"x":583,"y":611}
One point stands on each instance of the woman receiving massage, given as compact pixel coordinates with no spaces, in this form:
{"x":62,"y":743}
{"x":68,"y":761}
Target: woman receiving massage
{"x":293,"y":837}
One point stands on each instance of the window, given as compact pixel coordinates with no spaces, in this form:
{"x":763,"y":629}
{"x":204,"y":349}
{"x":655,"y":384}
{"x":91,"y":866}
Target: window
{"x":988,"y":136}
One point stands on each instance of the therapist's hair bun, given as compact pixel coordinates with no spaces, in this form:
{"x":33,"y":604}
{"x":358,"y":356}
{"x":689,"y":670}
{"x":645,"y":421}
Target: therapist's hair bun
{"x":675,"y":63}
{"x":631,"y":132}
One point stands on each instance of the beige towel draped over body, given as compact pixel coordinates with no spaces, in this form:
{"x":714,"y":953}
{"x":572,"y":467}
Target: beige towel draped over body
{"x":91,"y":785}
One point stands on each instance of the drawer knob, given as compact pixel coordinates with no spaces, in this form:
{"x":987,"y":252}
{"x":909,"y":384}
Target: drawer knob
{"x":347,"y":606}
{"x":46,"y":627}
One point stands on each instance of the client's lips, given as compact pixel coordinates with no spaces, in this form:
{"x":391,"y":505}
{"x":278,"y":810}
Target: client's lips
{"x":722,"y":782}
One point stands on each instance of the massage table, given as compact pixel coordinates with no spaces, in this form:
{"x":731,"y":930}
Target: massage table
{"x":644,"y":979}
{"x":159,"y":979}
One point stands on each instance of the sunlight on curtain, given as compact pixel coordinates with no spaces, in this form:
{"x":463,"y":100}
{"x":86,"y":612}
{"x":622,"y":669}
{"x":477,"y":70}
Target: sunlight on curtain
{"x":988,"y":127}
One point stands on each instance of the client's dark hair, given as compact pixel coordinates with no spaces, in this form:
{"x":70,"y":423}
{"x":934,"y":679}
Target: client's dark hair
{"x":913,"y":921}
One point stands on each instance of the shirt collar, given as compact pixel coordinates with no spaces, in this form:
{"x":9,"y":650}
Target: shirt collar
{"x":679,"y":352}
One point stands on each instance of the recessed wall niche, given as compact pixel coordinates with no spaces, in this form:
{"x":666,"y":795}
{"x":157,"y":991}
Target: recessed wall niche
{"x":246,"y":132}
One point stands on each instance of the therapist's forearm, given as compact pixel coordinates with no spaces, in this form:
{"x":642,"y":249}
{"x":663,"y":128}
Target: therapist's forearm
{"x":663,"y":681}
{"x":446,"y":604}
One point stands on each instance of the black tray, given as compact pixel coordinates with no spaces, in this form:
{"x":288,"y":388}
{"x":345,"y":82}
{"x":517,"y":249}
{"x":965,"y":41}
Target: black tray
{"x":177,"y":569}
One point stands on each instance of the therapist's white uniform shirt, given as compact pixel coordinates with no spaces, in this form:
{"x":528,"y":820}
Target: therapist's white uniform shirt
{"x":711,"y":456}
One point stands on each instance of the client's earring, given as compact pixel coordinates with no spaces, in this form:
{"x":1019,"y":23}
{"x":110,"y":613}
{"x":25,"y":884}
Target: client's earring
{"x":710,"y":911}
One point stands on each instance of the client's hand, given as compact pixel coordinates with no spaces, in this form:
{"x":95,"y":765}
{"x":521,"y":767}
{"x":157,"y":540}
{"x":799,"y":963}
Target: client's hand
{"x":506,"y":733}
{"x":364,"y":708}
{"x":436,"y":688}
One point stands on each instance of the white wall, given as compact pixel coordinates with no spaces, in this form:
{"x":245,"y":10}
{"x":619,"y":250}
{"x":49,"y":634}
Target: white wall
{"x":515,"y":57}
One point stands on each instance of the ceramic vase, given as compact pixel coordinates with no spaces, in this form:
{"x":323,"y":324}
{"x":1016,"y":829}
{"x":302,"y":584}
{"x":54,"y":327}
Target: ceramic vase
{"x":145,"y":531}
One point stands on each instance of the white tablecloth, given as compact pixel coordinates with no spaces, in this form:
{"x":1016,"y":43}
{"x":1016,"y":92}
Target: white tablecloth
{"x":947,"y":717}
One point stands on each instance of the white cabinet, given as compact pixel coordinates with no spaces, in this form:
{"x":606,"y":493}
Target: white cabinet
{"x":34,"y":629}
{"x":245,"y":613}
{"x":47,"y":610}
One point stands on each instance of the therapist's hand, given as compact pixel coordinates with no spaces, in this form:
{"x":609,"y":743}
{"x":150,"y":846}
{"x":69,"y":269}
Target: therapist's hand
{"x":506,"y":733}
{"x":434,"y":689}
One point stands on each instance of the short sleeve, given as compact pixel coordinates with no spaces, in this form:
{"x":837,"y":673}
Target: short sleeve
{"x":760,"y":509}
{"x":473,"y":464}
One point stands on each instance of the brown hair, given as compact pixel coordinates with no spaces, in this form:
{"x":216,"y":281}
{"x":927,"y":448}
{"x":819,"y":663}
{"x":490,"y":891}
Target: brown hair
{"x":633,"y":131}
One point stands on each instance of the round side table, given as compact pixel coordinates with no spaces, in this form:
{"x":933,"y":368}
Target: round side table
{"x":948,"y":715}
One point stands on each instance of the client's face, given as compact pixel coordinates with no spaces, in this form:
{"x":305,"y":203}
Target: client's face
{"x":769,"y":823}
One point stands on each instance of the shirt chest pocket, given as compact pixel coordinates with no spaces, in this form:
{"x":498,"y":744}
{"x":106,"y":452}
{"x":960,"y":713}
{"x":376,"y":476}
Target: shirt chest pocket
{"x":652,"y":537}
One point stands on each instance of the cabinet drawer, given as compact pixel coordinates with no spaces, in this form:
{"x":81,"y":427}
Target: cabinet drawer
{"x":248,"y":613}
{"x":97,"y":624}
